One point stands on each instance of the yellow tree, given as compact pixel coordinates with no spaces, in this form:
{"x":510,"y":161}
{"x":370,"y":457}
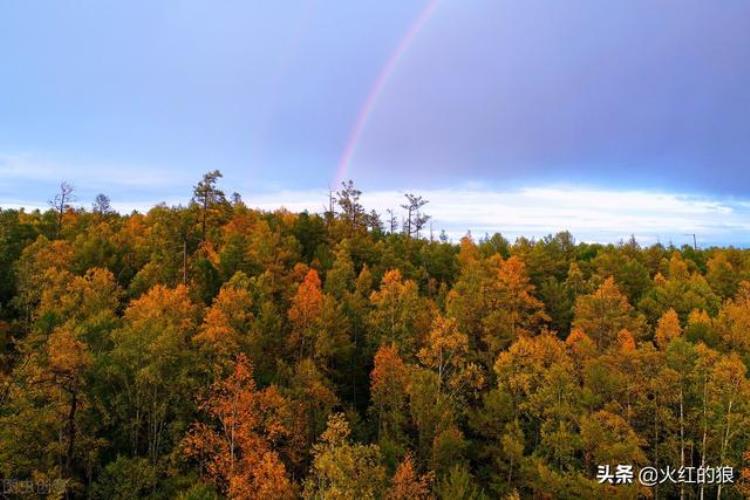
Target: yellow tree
{"x":728,"y":393}
{"x":153,"y":366}
{"x":389,"y":393}
{"x":319,"y":328}
{"x":540,"y":376}
{"x":446,"y":353}
{"x":604,"y":313}
{"x":68,"y":360}
{"x":33,"y":271}
{"x":467,"y":301}
{"x":456,"y":382}
{"x":399,"y":315}
{"x":722,"y":276}
{"x":743,"y":483}
{"x":513,"y":309}
{"x":48,"y":395}
{"x":407,"y":484}
{"x":521,"y":369}
{"x":445,"y":349}
{"x":733,"y":321}
{"x":681,"y":288}
{"x":667,"y":329}
{"x":700,"y":328}
{"x":305,"y":314}
{"x":238,"y":447}
{"x":581,"y":349}
{"x":227,"y":325}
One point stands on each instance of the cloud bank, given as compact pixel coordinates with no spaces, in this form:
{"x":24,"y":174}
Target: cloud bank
{"x":591,"y":214}
{"x":599,"y":215}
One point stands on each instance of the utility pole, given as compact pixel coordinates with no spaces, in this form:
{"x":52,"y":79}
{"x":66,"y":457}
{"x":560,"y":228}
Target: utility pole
{"x":330,"y":214}
{"x":695,"y":241}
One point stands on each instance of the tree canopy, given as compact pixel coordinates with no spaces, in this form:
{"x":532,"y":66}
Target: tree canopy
{"x":213,"y":350}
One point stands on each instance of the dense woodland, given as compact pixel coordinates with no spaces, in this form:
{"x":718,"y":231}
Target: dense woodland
{"x":212,"y":350}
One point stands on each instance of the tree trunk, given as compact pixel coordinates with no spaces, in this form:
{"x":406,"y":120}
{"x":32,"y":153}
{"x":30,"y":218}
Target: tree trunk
{"x":71,"y":433}
{"x":705,"y":432}
{"x":682,"y":441}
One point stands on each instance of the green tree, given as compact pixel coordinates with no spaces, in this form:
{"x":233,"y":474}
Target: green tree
{"x":342,"y":469}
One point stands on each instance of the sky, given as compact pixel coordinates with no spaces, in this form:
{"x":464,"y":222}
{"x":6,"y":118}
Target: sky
{"x":524,"y":117}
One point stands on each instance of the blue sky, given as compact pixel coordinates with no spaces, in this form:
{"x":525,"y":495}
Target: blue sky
{"x":605,"y":118}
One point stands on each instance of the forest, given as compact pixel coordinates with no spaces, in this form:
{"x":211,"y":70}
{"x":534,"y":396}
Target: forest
{"x":211,"y":350}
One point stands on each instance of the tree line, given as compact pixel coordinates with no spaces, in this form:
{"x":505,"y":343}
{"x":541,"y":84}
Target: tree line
{"x":212,"y":350}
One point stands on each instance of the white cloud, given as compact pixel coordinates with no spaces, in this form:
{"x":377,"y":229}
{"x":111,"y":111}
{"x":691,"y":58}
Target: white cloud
{"x":31,"y":168}
{"x":594,"y":215}
{"x":590,"y":214}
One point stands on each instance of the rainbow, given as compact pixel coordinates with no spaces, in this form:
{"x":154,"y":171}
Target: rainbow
{"x":377,"y":87}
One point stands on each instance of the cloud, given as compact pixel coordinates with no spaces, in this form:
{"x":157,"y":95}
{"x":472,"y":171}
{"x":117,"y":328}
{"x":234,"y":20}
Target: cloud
{"x":32,"y":168}
{"x":125,"y":207}
{"x":596,"y":215}
{"x":590,"y":214}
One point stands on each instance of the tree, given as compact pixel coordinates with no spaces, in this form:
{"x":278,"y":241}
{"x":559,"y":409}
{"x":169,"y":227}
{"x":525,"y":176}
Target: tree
{"x":399,"y":315}
{"x":126,"y":478}
{"x":61,"y":203}
{"x":351,"y":209}
{"x":733,"y":322}
{"x":78,"y":316}
{"x":101,"y":205}
{"x":68,"y":360}
{"x":728,"y":392}
{"x":431,"y":411}
{"x":558,"y":303}
{"x":630,"y":275}
{"x":514,"y":311}
{"x":32,"y":271}
{"x":678,"y":288}
{"x":744,"y":480}
{"x":49,"y":396}
{"x":668,"y":328}
{"x":722,"y":276}
{"x":445,"y":352}
{"x":238,"y":448}
{"x":315,"y":399}
{"x":207,"y":196}
{"x":392,"y":221}
{"x":521,"y":369}
{"x":305,"y":314}
{"x":700,"y":328}
{"x":389,"y":392}
{"x":153,"y":367}
{"x":340,"y":278}
{"x":608,"y":439}
{"x":459,"y":484}
{"x":415,"y":219}
{"x":342,"y":470}
{"x":681,"y":357}
{"x":317,"y":329}
{"x":603,"y":314}
{"x":408,"y":485}
{"x":228,"y":325}
{"x":15,"y":235}
{"x":467,"y":301}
